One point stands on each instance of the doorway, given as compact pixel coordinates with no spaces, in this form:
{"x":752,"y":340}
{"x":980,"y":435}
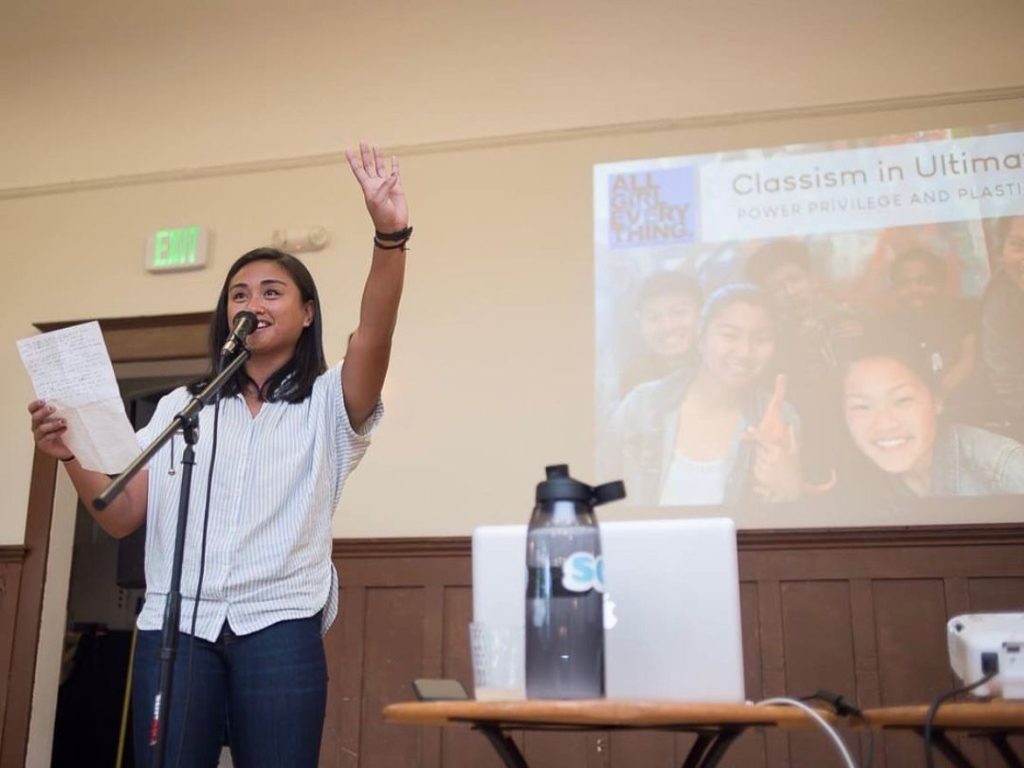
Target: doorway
{"x":166,"y":349}
{"x":105,"y":594}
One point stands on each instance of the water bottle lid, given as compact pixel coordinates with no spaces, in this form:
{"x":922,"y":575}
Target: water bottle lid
{"x":559,"y":486}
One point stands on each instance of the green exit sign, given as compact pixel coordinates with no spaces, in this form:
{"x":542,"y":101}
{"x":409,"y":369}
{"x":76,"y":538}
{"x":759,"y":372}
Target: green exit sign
{"x":174,"y":250}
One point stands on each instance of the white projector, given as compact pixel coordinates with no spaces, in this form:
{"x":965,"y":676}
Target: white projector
{"x":981,"y":643}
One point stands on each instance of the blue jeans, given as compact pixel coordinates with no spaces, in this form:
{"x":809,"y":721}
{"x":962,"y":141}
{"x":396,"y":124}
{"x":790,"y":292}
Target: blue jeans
{"x":264,"y":693}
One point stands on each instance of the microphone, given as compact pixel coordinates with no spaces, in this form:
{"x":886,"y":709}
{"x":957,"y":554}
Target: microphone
{"x":245,"y":323}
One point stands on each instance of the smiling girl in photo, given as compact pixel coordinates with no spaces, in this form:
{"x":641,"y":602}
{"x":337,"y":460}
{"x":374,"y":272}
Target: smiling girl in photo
{"x":695,"y":437}
{"x":893,"y":415}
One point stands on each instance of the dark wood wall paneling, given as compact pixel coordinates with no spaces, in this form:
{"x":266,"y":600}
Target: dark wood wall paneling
{"x":11,"y":564}
{"x":861,"y":613}
{"x":23,"y":597}
{"x":858,"y":612}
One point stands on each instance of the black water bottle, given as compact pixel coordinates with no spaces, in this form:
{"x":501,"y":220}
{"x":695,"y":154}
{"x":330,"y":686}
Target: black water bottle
{"x":565,"y":589}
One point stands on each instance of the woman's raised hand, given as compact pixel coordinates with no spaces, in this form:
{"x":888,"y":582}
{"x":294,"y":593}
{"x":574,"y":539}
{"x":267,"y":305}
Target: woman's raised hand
{"x":776,"y":470}
{"x":385,"y":199}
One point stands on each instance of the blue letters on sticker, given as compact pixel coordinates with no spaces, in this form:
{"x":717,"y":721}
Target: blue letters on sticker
{"x":582,"y":572}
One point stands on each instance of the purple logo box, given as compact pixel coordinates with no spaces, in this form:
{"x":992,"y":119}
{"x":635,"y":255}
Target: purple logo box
{"x":657,"y":207}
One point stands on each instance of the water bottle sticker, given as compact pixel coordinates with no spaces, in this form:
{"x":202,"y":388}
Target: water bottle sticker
{"x":582,"y":572}
{"x":610,"y":619}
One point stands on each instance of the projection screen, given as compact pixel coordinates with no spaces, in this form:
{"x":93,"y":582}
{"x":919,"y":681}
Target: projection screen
{"x":836,"y":323}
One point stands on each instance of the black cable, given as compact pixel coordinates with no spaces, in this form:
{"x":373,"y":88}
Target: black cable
{"x":934,"y":708}
{"x":199,"y":583}
{"x":843,"y":708}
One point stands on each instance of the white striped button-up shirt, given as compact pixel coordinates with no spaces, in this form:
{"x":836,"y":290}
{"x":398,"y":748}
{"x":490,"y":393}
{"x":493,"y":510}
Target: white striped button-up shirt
{"x":277,"y":480}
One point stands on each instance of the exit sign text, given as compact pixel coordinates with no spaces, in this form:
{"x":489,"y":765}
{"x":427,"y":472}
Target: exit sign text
{"x":174,"y":250}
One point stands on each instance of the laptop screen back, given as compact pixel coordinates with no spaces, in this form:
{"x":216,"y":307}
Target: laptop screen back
{"x":672,"y":612}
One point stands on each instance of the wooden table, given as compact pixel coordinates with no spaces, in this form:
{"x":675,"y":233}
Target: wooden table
{"x":993,"y":720}
{"x":716,"y":725}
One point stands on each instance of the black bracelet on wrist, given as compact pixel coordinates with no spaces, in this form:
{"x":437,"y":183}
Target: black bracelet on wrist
{"x":65,"y":461}
{"x":393,"y":237}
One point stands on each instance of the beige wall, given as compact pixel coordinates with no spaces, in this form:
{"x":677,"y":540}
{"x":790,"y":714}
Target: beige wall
{"x":500,"y":111}
{"x":119,"y":87}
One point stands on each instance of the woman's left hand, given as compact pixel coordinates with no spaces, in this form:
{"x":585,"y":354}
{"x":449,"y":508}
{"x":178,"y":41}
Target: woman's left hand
{"x":385,"y":199}
{"x":776,"y":473}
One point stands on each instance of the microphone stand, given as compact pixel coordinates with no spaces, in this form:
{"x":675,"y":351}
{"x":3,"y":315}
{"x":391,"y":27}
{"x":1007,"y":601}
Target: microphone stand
{"x":188,"y":422}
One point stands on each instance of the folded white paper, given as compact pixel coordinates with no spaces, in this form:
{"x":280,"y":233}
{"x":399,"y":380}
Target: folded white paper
{"x":71,"y":370}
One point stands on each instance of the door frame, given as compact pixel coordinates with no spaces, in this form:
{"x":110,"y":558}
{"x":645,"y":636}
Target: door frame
{"x":129,"y":340}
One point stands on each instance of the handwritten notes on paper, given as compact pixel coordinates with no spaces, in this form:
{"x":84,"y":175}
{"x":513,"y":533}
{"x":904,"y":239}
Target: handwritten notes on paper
{"x":71,"y":370}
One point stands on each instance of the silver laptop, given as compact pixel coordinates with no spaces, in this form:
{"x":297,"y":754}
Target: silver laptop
{"x":672,"y":628}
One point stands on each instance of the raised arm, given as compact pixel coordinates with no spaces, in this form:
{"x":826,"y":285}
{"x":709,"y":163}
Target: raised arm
{"x":369,"y":347}
{"x":127,"y":512}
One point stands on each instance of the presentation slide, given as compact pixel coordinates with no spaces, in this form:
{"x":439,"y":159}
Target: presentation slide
{"x":837,"y":321}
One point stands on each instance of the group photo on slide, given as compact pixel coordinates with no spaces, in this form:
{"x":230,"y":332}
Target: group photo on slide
{"x":831,"y":322}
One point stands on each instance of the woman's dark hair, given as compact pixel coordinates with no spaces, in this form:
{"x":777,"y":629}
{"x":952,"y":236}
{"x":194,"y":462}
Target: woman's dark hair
{"x":763,"y":262}
{"x":733,"y":293}
{"x":669,"y":283}
{"x":880,"y":339}
{"x":1003,"y":226}
{"x":936,"y":266}
{"x":292,"y":382}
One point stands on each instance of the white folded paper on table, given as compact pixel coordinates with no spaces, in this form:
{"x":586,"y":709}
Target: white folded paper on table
{"x":71,"y":370}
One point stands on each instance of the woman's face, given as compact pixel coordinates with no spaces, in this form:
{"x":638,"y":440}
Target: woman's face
{"x":737,"y":344}
{"x":668,"y":324}
{"x":1013,"y":252}
{"x":916,"y":283}
{"x":267,"y":290}
{"x":891,"y":414}
{"x":793,"y":289}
